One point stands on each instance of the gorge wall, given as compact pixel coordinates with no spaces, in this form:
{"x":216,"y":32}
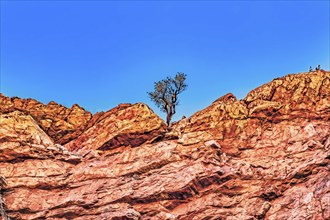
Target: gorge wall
{"x":263,"y":157}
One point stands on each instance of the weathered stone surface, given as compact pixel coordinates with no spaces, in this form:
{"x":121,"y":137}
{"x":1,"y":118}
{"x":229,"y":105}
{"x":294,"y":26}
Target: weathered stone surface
{"x":264,"y":157}
{"x":291,"y":96}
{"x":3,"y":212}
{"x":60,"y":123}
{"x":125,"y":125}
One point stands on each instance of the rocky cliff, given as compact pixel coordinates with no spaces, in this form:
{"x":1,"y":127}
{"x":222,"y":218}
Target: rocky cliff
{"x":60,"y":123}
{"x":263,"y":157}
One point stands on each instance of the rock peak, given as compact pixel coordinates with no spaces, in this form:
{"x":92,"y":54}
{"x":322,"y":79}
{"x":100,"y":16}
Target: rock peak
{"x":124,"y":125}
{"x":226,"y":98}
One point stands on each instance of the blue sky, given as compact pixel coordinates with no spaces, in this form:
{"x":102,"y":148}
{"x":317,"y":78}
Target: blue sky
{"x":102,"y":53}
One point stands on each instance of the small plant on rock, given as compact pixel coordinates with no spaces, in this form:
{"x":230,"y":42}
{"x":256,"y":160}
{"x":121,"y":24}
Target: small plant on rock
{"x":165,"y":94}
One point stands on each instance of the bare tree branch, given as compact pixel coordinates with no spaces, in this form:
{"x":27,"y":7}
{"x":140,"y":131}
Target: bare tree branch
{"x":165,"y":94}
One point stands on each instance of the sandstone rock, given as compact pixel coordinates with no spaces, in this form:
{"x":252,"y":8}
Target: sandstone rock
{"x":21,"y":138}
{"x":125,"y":125}
{"x":264,"y":157}
{"x":306,"y":94}
{"x":60,"y":123}
{"x":3,"y":212}
{"x":308,"y":200}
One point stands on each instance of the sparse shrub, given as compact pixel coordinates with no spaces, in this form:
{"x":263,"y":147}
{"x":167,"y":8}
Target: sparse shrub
{"x":165,"y":94}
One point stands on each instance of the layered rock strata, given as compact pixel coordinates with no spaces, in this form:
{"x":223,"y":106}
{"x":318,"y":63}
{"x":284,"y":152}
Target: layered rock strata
{"x":263,"y":157}
{"x":60,"y":123}
{"x":125,"y":125}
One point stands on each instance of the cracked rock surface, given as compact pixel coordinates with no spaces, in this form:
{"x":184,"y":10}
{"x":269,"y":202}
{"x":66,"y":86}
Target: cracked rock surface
{"x":60,"y":123}
{"x":264,"y":157}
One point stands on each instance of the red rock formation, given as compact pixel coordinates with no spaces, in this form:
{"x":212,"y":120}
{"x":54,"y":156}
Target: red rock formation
{"x":125,"y":125}
{"x":264,"y":157}
{"x":60,"y":123}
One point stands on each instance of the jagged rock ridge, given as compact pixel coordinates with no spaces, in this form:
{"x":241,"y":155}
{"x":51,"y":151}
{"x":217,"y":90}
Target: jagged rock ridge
{"x":263,"y":157}
{"x":60,"y":123}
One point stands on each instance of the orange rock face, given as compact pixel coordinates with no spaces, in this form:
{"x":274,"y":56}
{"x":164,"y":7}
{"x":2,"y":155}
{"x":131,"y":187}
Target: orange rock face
{"x":60,"y":123}
{"x":125,"y":125}
{"x":263,"y":157}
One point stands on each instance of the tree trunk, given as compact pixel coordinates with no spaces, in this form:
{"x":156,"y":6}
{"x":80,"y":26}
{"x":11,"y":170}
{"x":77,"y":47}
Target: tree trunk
{"x":168,"y":118}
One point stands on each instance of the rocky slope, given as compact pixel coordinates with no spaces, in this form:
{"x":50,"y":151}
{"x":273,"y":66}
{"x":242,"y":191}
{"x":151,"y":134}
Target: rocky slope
{"x":263,"y":157}
{"x":123,"y":126}
{"x":60,"y":123}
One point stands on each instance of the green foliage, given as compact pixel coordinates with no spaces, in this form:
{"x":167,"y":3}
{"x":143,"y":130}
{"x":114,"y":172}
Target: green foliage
{"x":165,"y":94}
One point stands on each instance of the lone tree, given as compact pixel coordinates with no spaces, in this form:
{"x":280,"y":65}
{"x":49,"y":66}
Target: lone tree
{"x":165,"y":94}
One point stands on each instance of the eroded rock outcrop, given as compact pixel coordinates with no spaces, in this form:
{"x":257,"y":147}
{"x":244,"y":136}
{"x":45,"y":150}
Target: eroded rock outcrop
{"x":264,"y":157}
{"x":289,"y":97}
{"x":60,"y":123}
{"x":125,"y":125}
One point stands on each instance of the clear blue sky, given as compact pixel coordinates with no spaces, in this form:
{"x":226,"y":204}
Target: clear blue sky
{"x":102,"y":53}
